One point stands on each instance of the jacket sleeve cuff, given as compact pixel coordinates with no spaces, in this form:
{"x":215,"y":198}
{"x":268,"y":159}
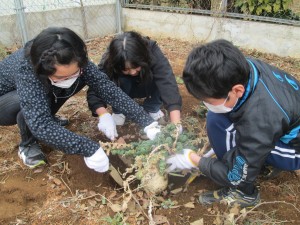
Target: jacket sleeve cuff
{"x":204,"y":165}
{"x":174,"y":107}
{"x":95,"y":107}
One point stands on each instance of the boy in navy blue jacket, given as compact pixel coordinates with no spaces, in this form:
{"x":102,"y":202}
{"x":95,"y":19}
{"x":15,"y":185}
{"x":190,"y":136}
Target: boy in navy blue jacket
{"x":253,"y":120}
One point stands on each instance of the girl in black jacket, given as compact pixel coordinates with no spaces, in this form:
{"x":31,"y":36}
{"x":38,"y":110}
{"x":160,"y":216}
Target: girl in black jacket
{"x":137,"y":65}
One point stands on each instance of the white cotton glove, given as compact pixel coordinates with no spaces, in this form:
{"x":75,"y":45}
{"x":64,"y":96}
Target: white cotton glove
{"x":181,"y":161}
{"x":107,"y":125}
{"x":151,"y":130}
{"x":98,"y":161}
{"x":210,"y":153}
{"x":119,"y":118}
{"x":156,"y":116}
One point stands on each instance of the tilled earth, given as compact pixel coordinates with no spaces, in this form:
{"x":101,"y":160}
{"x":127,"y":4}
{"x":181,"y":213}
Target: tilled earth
{"x":67,"y":192}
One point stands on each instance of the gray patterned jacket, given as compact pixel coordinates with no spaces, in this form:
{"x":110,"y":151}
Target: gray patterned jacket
{"x":16,"y":73}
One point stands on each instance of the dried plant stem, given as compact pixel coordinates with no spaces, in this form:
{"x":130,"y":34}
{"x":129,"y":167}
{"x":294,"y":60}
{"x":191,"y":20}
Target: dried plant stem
{"x":165,"y":146}
{"x":158,"y":148}
{"x":203,"y":149}
{"x":150,"y":217}
{"x":127,"y":190}
{"x":176,"y":138}
{"x":92,"y":196}
{"x":264,"y":203}
{"x":66,"y":185}
{"x":2,"y":181}
{"x":64,"y":169}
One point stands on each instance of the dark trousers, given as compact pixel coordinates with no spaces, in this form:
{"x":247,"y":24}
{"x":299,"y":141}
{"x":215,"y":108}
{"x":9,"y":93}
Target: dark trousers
{"x":152,"y":102}
{"x":11,"y":112}
{"x":221,"y":134}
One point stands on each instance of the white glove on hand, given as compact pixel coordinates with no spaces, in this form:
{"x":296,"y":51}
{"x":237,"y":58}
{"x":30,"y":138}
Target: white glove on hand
{"x":151,"y":130}
{"x":98,"y":161}
{"x":181,"y":161}
{"x":210,"y":153}
{"x":119,"y":119}
{"x":107,"y":126}
{"x":156,"y":116}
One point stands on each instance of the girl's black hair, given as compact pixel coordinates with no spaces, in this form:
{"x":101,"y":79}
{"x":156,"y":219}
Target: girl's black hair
{"x":211,"y":70}
{"x":55,"y":46}
{"x":128,"y":47}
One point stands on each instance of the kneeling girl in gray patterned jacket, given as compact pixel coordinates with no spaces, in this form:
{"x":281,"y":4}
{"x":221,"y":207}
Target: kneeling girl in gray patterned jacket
{"x":37,"y":80}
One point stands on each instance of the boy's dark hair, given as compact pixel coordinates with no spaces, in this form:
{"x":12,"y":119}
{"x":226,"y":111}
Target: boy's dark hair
{"x":211,"y":70}
{"x":128,"y":47}
{"x":55,"y":46}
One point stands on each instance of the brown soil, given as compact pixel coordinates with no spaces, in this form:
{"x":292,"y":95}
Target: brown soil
{"x":67,"y":192}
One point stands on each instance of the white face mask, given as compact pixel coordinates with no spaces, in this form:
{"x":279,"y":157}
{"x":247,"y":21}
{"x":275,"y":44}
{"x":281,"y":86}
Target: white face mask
{"x":219,"y":108}
{"x":64,"y":83}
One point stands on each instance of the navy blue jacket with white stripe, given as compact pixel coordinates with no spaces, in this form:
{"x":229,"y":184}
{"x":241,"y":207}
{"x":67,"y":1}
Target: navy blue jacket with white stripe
{"x":16,"y":73}
{"x":269,"y":111}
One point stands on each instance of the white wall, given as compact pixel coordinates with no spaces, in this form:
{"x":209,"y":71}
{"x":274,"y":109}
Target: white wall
{"x":100,"y":21}
{"x":282,"y":40}
{"x":7,"y":7}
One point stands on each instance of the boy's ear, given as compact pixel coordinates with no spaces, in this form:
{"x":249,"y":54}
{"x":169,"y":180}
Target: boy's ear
{"x":238,"y":90}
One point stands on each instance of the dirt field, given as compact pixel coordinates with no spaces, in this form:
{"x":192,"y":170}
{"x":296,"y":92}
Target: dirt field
{"x":67,"y":192}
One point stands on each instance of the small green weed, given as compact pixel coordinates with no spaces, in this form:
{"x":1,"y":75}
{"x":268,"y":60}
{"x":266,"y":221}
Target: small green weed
{"x":200,"y":110}
{"x":179,"y":80}
{"x":167,"y":204}
{"x":117,"y":219}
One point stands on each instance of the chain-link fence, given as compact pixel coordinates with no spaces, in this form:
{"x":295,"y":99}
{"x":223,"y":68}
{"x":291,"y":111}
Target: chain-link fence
{"x":275,"y":11}
{"x":21,"y":20}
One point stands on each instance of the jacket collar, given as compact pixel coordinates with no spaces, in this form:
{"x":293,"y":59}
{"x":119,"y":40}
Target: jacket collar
{"x":250,"y":86}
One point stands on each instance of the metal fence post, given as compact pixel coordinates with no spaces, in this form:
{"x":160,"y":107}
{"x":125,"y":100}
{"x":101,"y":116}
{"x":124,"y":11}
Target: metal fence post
{"x":85,"y":31}
{"x":118,"y":16}
{"x":21,"y":20}
{"x":223,"y":6}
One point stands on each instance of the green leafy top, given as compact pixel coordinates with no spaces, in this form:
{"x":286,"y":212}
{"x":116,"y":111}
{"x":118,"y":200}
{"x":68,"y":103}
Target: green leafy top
{"x":168,"y":141}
